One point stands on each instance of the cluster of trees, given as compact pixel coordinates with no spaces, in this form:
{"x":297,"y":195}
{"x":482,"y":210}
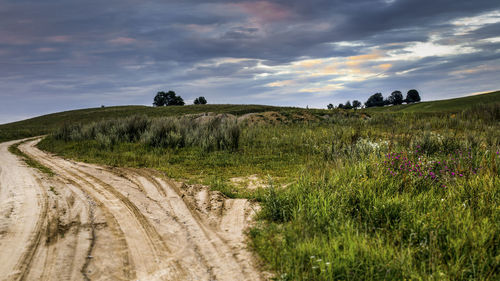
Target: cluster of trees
{"x":355,"y":105}
{"x":171,"y":98}
{"x":396,"y":98}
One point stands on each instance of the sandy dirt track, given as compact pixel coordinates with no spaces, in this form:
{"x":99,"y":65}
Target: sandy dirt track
{"x":98,"y":223}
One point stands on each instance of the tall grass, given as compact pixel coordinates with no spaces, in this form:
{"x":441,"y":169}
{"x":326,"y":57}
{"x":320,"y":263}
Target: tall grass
{"x":360,"y":223}
{"x":217,"y":133}
{"x":391,"y":197}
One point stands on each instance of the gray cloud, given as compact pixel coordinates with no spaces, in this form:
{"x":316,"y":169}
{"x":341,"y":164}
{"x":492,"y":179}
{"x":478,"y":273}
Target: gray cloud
{"x":58,"y":55}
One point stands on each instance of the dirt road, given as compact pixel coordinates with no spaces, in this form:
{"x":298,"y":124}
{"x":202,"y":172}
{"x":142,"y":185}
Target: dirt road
{"x":96,"y":223}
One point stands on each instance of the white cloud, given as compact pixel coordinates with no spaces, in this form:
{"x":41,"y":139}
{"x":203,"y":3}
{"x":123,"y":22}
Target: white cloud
{"x":469,"y":24}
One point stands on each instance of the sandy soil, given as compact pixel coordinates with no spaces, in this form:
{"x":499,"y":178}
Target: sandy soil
{"x":97,"y":223}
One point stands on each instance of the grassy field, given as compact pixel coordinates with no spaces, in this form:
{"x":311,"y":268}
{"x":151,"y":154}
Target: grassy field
{"x":407,"y":195}
{"x":48,"y":123}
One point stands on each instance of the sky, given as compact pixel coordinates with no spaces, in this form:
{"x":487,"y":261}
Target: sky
{"x":58,"y":55}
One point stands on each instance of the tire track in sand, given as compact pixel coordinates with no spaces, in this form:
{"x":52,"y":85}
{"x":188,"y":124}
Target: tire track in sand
{"x":168,"y":233}
{"x":24,"y":223}
{"x":148,"y":252}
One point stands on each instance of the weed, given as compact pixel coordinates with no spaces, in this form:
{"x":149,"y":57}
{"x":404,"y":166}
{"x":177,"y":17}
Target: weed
{"x":14,"y":149}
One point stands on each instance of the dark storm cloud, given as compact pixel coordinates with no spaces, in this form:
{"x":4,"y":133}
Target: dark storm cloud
{"x":58,"y":54}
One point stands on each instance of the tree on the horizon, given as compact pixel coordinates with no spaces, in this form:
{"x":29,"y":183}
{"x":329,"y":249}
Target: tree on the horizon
{"x":356,"y":104}
{"x":329,"y":106}
{"x":412,"y":96}
{"x":200,"y":100}
{"x":341,"y":105}
{"x":348,"y":105}
{"x":375,"y":100}
{"x":396,"y":98}
{"x":167,"y":99}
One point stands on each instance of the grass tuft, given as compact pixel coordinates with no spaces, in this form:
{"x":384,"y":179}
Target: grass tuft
{"x":14,"y":149}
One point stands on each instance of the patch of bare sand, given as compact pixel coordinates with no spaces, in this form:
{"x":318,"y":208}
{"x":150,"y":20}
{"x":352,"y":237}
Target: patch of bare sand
{"x":251,"y":182}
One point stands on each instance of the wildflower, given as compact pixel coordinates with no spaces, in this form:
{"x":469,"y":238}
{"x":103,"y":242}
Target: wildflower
{"x":461,"y":175}
{"x":452,"y":173}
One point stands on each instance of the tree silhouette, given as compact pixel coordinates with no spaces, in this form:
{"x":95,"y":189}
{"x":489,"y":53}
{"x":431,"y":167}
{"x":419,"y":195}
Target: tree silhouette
{"x":348,"y":105}
{"x":200,"y":100}
{"x":375,"y":100}
{"x":396,"y":98}
{"x":356,"y":104}
{"x":412,"y":96}
{"x":166,"y":99}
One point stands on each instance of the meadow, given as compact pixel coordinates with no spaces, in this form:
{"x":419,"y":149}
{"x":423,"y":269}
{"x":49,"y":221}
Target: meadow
{"x":392,"y":196}
{"x":379,"y":194}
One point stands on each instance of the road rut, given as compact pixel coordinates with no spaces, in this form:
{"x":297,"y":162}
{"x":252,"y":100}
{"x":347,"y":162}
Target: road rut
{"x":90,"y":222}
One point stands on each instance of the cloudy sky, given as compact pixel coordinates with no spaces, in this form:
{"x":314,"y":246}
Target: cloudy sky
{"x":64,"y":54}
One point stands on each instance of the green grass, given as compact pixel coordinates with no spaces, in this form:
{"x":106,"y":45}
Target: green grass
{"x":337,"y":206}
{"x":342,"y":214}
{"x":450,"y":105}
{"x":14,"y":149}
{"x":48,"y":123}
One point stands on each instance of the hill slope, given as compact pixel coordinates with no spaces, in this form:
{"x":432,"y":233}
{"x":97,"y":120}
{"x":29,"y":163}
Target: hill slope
{"x":450,"y":105}
{"x":46,"y":123}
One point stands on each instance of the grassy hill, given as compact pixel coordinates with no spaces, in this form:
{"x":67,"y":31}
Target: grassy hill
{"x":47,"y":123}
{"x":450,"y":105}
